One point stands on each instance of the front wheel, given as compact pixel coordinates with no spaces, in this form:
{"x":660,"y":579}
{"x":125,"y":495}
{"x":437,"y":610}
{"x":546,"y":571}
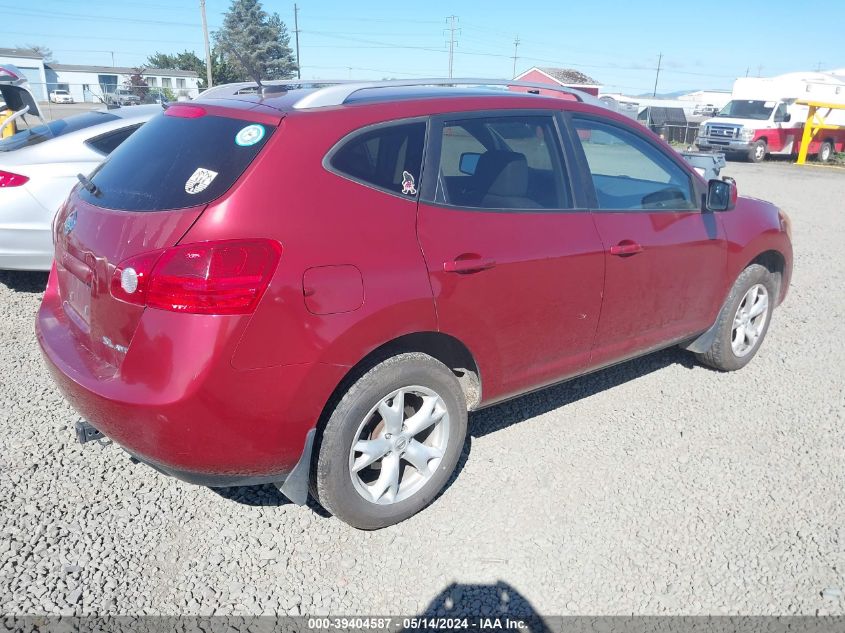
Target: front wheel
{"x":743,"y":320}
{"x":392,"y":442}
{"x":757,"y":152}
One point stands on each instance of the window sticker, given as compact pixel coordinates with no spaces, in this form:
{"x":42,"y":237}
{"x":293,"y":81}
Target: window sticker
{"x":200,"y":180}
{"x":250,"y":135}
{"x":408,"y":185}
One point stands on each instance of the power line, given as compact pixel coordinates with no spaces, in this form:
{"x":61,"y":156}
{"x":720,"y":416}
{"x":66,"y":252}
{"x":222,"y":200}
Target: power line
{"x":451,"y":20}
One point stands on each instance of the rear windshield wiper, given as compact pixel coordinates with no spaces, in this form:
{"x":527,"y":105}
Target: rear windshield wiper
{"x":90,"y":187}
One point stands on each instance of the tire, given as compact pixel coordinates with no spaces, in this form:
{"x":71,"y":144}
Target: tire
{"x":353,"y":484}
{"x":726,"y":353}
{"x":757,"y":153}
{"x":825,"y":152}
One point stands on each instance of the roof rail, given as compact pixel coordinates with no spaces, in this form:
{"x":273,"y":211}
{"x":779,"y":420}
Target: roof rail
{"x":268,"y":87}
{"x":337,"y":92}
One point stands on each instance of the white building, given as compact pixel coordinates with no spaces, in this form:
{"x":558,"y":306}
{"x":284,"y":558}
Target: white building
{"x":91,"y":83}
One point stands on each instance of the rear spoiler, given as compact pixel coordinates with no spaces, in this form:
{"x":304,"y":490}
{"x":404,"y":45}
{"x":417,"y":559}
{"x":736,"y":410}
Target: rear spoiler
{"x":15,"y":92}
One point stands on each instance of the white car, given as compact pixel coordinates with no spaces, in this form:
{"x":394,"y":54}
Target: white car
{"x":39,"y":167}
{"x":61,"y":96}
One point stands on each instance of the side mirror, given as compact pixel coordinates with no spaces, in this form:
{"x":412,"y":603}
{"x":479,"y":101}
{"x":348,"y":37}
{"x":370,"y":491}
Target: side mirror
{"x":721,"y":194}
{"x":468,"y":163}
{"x":787,"y":117}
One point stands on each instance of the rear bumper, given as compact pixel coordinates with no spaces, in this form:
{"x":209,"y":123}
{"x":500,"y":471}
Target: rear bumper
{"x":177,"y":403}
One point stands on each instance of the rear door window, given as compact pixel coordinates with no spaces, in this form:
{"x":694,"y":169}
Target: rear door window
{"x":388,"y":157}
{"x":174,"y":162}
{"x":502,"y":162}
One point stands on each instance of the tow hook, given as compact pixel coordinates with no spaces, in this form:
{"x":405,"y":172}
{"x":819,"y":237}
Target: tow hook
{"x":85,"y":432}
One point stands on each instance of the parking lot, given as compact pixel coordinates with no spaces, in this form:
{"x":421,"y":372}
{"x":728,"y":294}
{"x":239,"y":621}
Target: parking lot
{"x":654,"y":487}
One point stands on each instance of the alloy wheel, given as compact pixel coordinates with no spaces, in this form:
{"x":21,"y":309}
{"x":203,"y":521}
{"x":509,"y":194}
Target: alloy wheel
{"x":749,"y":320}
{"x":399,"y":444}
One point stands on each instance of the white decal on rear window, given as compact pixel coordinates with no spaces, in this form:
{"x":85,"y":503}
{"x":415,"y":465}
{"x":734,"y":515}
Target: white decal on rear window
{"x":200,"y":180}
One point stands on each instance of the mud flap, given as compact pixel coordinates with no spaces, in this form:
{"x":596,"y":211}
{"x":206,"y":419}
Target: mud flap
{"x":295,"y":486}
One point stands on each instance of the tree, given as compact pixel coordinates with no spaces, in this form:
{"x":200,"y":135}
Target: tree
{"x":45,"y":52}
{"x":136,"y":84}
{"x":253,"y":44}
{"x":186,"y":60}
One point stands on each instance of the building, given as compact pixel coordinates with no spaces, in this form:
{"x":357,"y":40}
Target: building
{"x":91,"y":83}
{"x":31,"y":65}
{"x":564,"y":77}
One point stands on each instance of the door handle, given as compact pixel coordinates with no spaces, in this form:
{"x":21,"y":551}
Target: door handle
{"x":473,"y":265}
{"x":626,"y":247}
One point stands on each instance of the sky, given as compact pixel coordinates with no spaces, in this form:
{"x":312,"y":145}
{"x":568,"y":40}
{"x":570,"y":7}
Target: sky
{"x":618,"y":43}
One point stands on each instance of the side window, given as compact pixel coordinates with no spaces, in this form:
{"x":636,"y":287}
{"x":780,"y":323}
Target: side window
{"x":388,"y":157}
{"x":510,"y":162}
{"x":106,"y":143}
{"x":629,"y":173}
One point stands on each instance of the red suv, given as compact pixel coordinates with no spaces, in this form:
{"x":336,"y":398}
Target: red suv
{"x":312,"y":285}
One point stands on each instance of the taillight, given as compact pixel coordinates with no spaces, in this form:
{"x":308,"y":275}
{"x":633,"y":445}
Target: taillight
{"x":224,"y":277}
{"x":8,"y":179}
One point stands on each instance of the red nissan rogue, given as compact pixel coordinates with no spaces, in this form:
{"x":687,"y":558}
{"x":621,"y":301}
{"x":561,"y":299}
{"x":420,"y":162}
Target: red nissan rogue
{"x":312,"y":285}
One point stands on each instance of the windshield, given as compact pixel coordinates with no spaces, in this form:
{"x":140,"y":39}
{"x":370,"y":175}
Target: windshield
{"x":758,"y":110}
{"x":60,"y":127}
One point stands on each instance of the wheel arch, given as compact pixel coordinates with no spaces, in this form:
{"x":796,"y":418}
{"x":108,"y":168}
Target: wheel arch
{"x":446,"y":348}
{"x":775,"y":262}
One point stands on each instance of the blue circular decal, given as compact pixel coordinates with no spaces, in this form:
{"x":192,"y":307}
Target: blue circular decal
{"x":250,"y":135}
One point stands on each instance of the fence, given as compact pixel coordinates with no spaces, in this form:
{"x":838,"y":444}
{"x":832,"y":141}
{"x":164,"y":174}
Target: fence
{"x":680,"y":133}
{"x":163,"y":88}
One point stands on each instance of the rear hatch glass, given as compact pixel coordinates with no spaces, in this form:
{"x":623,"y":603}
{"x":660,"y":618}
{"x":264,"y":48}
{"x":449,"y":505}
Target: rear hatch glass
{"x":175,"y":162}
{"x":153,"y":170}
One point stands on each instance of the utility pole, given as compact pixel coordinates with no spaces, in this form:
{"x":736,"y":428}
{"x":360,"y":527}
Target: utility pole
{"x":759,"y":70}
{"x":657,"y":76}
{"x":207,"y":47}
{"x":296,"y":35}
{"x":515,"y":48}
{"x":112,"y":58}
{"x":819,"y":67}
{"x":451,"y":21}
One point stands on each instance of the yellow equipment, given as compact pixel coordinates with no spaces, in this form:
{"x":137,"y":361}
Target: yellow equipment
{"x":816,"y":121}
{"x":10,"y":129}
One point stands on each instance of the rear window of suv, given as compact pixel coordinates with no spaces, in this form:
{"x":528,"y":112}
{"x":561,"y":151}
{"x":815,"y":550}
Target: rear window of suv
{"x":174,"y":162}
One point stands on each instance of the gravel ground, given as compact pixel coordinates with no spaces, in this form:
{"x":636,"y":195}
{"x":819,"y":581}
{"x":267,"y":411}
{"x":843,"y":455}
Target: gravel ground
{"x":656,"y":487}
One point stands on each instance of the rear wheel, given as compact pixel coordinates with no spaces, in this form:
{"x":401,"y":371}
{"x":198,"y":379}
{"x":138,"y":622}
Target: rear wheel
{"x":743,"y":320}
{"x":392,"y":442}
{"x":757,"y":152}
{"x":825,"y":152}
